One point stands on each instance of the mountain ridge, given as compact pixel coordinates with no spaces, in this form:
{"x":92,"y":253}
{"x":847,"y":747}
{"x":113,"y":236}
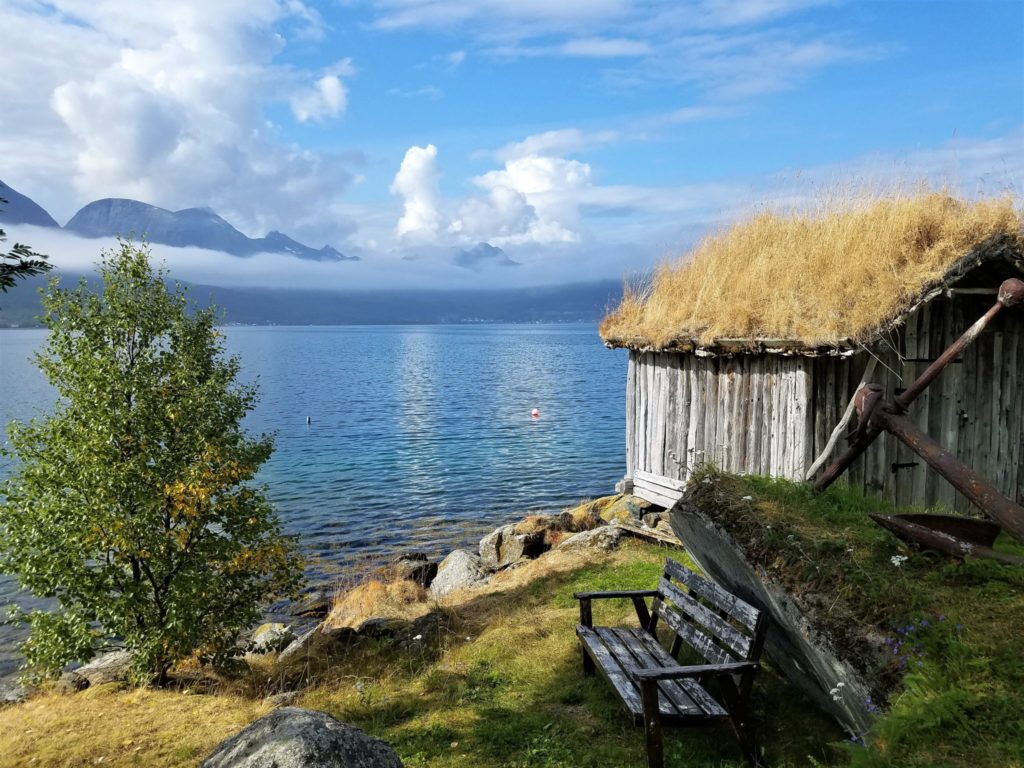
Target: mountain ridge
{"x":196,"y":227}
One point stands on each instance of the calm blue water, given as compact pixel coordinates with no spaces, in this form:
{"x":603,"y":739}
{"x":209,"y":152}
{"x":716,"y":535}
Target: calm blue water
{"x":419,"y":436}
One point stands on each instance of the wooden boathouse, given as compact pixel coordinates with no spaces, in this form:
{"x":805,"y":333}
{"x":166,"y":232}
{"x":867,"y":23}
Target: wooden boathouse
{"x":774,"y":406}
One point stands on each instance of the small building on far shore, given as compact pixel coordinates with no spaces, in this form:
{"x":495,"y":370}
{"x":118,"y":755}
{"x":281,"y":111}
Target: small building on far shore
{"x":747,"y":354}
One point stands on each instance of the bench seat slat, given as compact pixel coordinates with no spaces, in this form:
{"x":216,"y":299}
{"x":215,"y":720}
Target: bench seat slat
{"x":714,"y":623}
{"x":693,"y":637}
{"x":740,"y":610}
{"x":618,"y":648}
{"x":617,"y":651}
{"x":611,"y":671}
{"x":693,"y":689}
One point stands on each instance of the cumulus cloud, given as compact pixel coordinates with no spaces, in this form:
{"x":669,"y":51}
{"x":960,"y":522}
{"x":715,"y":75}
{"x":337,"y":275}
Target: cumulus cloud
{"x":325,"y":98}
{"x":416,"y":183}
{"x":166,"y":103}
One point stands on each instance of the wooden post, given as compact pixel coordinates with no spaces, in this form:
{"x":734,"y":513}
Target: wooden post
{"x":652,"y":723}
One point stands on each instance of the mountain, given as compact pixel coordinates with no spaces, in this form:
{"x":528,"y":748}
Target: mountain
{"x":22,"y":210}
{"x":572,"y":303}
{"x":199,"y":227}
{"x":482,"y":254}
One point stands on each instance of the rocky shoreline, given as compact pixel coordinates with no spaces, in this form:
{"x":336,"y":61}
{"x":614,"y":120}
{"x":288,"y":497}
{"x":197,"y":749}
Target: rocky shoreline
{"x":403,"y":601}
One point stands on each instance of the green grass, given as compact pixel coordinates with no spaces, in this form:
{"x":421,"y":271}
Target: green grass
{"x":950,"y":675}
{"x":504,"y":687}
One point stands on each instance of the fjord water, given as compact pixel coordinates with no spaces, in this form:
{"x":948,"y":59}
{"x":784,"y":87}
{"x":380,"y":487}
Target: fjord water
{"x":419,"y":437}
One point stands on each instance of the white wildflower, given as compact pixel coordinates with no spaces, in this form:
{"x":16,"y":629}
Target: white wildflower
{"x":898,"y":560}
{"x":418,"y":637}
{"x":748,"y":498}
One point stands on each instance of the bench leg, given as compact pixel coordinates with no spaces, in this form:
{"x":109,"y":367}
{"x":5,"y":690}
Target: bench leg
{"x":588,"y":663}
{"x":741,"y":723}
{"x":652,"y":724}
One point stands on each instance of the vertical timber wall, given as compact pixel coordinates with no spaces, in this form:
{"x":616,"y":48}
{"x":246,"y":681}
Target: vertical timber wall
{"x":773,"y":414}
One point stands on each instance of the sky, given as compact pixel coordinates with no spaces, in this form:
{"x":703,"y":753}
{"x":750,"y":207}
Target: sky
{"x":578,"y":139}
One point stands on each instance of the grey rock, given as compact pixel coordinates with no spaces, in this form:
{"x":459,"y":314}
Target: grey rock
{"x":317,"y":646}
{"x":301,"y":738}
{"x":626,"y":507}
{"x":607,"y":537}
{"x":380,"y":628}
{"x":12,"y":693}
{"x":459,"y":570}
{"x":269,"y":637}
{"x":415,"y":567}
{"x":801,"y":651}
{"x":113,"y":667}
{"x":316,"y":603}
{"x":504,"y":546}
{"x":70,"y":682}
{"x":651,"y":519}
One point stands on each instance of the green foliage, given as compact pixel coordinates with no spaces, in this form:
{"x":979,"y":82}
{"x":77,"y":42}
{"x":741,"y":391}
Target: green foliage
{"x":947,"y":688}
{"x":132,"y":503}
{"x":20,"y":262}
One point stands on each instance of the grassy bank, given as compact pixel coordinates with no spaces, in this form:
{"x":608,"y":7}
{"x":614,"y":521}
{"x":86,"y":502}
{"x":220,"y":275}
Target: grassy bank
{"x":503,"y":688}
{"x":951,"y":634}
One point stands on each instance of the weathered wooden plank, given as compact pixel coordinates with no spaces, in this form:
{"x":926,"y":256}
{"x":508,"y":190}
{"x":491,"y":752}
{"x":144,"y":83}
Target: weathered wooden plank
{"x":739,"y":609}
{"x":628,"y":663}
{"x":676,"y":699}
{"x":611,"y":670}
{"x":694,"y":689}
{"x":666,"y":483}
{"x":711,"y":622}
{"x":656,"y":493}
{"x":693,"y":637}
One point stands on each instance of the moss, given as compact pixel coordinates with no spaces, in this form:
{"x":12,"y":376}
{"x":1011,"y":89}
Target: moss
{"x":951,"y":631}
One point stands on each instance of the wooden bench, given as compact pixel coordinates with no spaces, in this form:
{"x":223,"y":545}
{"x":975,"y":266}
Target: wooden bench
{"x":723,"y":630}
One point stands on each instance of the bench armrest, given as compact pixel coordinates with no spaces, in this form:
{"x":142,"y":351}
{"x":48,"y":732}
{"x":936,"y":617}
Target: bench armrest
{"x":620,"y":593}
{"x":700,"y":670}
{"x":636,"y":595}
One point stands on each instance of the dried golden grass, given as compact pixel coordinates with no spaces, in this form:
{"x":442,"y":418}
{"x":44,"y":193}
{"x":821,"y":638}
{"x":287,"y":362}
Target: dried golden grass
{"x":842,"y":271}
{"x":399,"y":599}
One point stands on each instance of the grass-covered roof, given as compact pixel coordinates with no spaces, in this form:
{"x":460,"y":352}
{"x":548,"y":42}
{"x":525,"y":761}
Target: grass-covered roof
{"x":835,"y":277}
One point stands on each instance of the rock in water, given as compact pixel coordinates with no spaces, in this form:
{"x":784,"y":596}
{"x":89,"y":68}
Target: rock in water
{"x":459,"y":570}
{"x":607,"y":537}
{"x":301,"y":738}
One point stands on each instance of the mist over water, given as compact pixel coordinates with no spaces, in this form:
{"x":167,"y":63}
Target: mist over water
{"x":419,"y":437}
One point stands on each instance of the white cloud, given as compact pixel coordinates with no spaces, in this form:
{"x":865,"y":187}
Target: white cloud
{"x":455,"y":59}
{"x":416,"y":183}
{"x":165,"y":103}
{"x":327,"y":97}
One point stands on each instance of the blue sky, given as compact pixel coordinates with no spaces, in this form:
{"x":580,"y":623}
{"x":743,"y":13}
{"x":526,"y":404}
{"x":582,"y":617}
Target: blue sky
{"x":585,"y":138}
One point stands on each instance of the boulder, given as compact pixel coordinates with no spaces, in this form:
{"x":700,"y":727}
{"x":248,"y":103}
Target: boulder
{"x":626,"y":508}
{"x":652,"y":519}
{"x":415,"y":567}
{"x":607,"y":537}
{"x":316,"y":604}
{"x":317,"y":646}
{"x":113,"y":667}
{"x":269,"y":637}
{"x":70,"y":682}
{"x":381,"y":627}
{"x":802,"y":651}
{"x":504,"y":546}
{"x":301,"y":738}
{"x":459,"y":570}
{"x":11,"y":693}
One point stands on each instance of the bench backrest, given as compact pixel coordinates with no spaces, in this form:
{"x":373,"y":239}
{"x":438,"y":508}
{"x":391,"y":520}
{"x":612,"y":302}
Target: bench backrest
{"x":721,"y":627}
